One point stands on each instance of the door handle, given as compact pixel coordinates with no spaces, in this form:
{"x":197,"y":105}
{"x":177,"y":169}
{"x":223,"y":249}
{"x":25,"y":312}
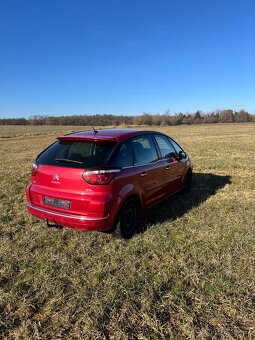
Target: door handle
{"x":168,"y":167}
{"x":142,"y":174}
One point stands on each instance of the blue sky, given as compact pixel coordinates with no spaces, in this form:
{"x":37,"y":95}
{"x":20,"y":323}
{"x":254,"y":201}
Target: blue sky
{"x":126,"y":57}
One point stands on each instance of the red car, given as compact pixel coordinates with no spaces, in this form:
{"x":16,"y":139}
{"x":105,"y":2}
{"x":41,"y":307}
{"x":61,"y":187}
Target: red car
{"x":97,"y":179}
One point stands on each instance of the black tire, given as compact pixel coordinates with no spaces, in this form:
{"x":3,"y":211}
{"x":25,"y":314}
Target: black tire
{"x":128,"y":219}
{"x":186,"y":185}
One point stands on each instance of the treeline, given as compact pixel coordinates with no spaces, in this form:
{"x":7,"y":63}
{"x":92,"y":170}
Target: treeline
{"x":220,"y":116}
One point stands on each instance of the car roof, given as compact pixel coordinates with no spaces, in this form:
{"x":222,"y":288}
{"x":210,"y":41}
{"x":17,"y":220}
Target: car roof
{"x":114,"y":135}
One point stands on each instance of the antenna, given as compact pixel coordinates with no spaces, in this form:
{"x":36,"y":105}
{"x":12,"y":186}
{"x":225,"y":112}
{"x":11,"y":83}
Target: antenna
{"x":95,"y":131}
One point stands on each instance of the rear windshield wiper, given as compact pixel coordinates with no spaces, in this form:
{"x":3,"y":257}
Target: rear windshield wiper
{"x":66,"y":160}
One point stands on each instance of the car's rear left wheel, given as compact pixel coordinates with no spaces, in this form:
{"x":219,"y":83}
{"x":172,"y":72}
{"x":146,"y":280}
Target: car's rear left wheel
{"x":128,"y":219}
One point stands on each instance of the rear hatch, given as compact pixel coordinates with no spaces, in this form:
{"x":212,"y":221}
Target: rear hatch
{"x":57,"y":181}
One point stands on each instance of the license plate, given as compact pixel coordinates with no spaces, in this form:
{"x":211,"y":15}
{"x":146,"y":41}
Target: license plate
{"x":56,"y":202}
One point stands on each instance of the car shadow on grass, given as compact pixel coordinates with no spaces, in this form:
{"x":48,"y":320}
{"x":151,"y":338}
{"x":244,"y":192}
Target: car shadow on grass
{"x":204,"y":185}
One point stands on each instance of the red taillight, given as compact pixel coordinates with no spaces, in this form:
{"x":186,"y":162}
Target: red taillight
{"x":34,"y":169}
{"x":99,"y":177}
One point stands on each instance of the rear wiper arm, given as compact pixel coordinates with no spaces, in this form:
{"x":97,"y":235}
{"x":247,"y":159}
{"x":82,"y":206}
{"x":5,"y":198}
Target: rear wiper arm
{"x":66,"y":160}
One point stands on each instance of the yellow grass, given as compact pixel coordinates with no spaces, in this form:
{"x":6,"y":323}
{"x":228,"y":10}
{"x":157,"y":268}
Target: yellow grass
{"x":188,"y":273}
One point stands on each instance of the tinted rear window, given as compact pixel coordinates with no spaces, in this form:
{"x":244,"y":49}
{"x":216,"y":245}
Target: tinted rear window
{"x":76,"y":154}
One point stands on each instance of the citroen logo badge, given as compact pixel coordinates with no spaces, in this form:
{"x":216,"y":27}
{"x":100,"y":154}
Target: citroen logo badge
{"x":55,"y":177}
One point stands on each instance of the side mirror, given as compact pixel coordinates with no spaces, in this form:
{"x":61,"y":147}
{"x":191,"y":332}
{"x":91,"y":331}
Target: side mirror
{"x":182,"y":155}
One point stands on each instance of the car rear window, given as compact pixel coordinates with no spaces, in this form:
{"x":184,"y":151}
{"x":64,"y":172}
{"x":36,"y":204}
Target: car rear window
{"x":76,"y":154}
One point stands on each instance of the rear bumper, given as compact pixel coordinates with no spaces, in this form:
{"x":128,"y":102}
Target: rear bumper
{"x":71,"y":220}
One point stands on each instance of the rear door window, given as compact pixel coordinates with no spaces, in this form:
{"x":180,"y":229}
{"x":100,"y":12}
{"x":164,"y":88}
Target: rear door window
{"x":144,"y":150}
{"x":122,"y":157}
{"x":77,"y":154}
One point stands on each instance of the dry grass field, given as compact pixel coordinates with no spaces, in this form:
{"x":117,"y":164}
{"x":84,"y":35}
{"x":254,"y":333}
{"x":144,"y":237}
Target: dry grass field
{"x":188,"y":274}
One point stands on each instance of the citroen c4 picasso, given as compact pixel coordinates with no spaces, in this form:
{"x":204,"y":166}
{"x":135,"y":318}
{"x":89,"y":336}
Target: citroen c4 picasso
{"x":99,"y":179}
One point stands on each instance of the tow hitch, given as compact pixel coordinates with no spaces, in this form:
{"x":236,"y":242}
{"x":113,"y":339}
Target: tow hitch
{"x":55,"y":225}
